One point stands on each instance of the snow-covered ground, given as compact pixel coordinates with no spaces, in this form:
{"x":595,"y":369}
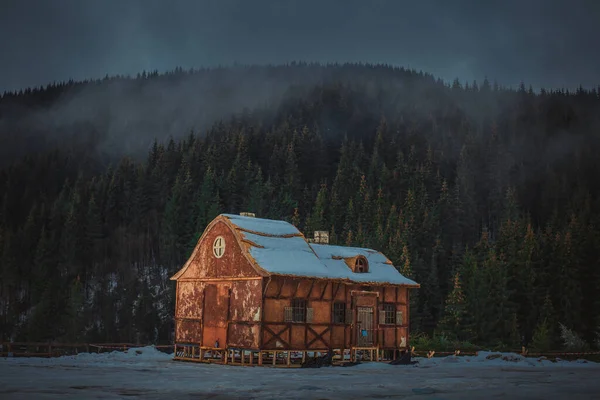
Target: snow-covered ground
{"x":149,"y":374}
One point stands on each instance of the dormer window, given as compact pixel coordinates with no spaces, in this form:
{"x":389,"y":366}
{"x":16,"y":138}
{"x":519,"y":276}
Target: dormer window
{"x":360,"y":265}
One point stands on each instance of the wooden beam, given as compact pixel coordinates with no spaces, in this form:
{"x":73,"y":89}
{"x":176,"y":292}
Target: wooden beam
{"x":324,"y":289}
{"x":314,"y":298}
{"x":305,"y":335}
{"x":176,"y":307}
{"x":223,"y":279}
{"x":266,"y":287}
{"x":296,"y":290}
{"x":276,"y":336}
{"x":247,"y":323}
{"x":312,"y":284}
{"x":278,"y":296}
{"x":318,"y":336}
{"x":337,"y":289}
{"x":262,"y":318}
{"x":377,"y":338}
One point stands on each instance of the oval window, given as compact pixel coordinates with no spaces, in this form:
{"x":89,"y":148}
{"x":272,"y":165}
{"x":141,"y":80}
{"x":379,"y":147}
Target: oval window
{"x":219,"y":247}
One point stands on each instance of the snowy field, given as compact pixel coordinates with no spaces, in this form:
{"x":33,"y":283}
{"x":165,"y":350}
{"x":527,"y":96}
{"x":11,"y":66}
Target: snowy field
{"x":148,"y":374}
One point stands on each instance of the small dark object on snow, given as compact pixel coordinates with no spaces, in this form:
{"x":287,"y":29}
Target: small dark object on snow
{"x":350,"y":364}
{"x":318,"y":362}
{"x":404,"y":359}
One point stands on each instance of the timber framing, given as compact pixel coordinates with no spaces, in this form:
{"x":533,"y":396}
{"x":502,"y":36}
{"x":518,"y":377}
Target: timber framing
{"x":241,"y":309}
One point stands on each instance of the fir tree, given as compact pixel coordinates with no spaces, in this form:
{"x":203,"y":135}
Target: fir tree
{"x":453,"y":322}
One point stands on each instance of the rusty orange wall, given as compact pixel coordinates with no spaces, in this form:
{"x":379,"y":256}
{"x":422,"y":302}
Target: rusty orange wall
{"x":232,"y":264}
{"x":245,"y":314}
{"x":320,"y":296}
{"x":205,"y":310}
{"x":188,"y":313}
{"x":392,"y":336}
{"x":227,"y":311}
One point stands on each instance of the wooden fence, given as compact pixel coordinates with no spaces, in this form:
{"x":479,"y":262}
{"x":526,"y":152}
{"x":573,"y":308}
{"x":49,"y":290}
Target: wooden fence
{"x":45,"y":349}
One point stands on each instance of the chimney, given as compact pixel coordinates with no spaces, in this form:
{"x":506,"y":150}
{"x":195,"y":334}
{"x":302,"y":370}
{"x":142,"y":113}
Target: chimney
{"x":321,"y":237}
{"x":248,"y":214}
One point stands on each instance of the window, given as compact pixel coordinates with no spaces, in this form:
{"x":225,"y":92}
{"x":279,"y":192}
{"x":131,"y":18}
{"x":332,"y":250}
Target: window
{"x":360,"y":265}
{"x":219,"y":247}
{"x":298,"y":312}
{"x":389,"y":311}
{"x":339,"y":313}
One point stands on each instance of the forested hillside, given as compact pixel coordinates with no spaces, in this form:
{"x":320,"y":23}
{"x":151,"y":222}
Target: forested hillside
{"x":488,"y":197}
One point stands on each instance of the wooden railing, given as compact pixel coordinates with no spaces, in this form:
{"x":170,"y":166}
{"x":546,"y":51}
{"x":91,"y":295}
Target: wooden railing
{"x":51,"y":349}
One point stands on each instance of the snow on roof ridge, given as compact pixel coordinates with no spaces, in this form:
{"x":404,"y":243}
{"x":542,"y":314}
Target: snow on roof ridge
{"x":263,"y":226}
{"x":349,"y":248}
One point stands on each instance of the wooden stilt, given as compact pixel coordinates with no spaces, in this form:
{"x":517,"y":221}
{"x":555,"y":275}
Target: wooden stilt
{"x":260,"y":358}
{"x":289,"y":358}
{"x":274,"y":357}
{"x":251,"y":357}
{"x":243,"y":354}
{"x":303,"y":357}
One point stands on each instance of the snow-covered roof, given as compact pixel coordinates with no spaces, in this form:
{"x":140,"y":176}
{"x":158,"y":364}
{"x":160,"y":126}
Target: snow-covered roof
{"x":380,"y":268}
{"x":279,"y":248}
{"x":263,"y":226}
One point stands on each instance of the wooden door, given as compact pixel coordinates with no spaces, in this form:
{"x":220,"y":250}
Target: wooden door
{"x":364,"y":326}
{"x":216,"y":313}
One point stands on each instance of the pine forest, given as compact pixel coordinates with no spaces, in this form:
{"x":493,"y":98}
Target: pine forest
{"x":487,"y":196}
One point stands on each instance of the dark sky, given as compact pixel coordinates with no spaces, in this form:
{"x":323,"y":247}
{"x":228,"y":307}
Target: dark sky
{"x":550,"y":43}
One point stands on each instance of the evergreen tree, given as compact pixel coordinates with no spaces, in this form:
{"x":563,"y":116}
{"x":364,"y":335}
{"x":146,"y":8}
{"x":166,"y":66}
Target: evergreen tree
{"x":453,"y":323}
{"x":316,"y":220}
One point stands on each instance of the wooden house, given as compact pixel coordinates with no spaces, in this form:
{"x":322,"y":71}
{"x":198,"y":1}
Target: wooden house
{"x":256,"y":291}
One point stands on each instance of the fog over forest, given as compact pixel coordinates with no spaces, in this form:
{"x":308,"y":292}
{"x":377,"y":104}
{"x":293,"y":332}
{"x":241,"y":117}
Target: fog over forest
{"x":486,"y":196}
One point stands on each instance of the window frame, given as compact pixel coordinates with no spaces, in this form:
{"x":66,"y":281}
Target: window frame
{"x":339,"y":312}
{"x":299,"y":309}
{"x":221,"y":247}
{"x":389,"y":313}
{"x":361,"y":265}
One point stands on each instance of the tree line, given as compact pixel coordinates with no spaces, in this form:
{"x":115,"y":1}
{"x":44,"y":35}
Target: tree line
{"x":487,"y":197}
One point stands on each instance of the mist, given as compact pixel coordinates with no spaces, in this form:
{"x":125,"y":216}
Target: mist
{"x":545,"y":43}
